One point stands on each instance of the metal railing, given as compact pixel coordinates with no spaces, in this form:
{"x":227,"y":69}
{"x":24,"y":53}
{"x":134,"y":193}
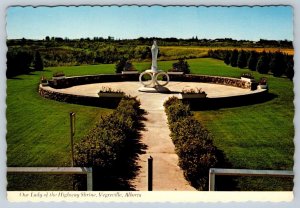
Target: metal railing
{"x":56,"y":170}
{"x":244,"y":172}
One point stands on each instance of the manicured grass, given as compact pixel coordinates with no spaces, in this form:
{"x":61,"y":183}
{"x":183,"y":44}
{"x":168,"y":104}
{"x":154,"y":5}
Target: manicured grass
{"x":257,"y":136}
{"x":38,"y":129}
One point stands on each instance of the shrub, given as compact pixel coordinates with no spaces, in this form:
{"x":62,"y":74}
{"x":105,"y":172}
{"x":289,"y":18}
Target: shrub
{"x":193,"y":143}
{"x":104,"y":146}
{"x":181,"y":66}
{"x":124,"y":65}
{"x":263,"y":64}
{"x":242,"y":59}
{"x":252,"y":61}
{"x":38,"y":62}
{"x":277,"y":64}
{"x":227,"y":58}
{"x":289,"y":71}
{"x":234,"y":58}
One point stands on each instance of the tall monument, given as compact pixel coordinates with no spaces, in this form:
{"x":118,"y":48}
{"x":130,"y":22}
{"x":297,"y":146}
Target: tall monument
{"x":154,"y":51}
{"x":159,"y":78}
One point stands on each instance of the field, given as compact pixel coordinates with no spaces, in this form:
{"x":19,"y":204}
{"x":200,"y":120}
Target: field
{"x":173,"y":52}
{"x":258,"y":136}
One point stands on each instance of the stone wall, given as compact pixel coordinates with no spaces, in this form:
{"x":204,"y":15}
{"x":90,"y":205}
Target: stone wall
{"x":111,"y":102}
{"x":90,"y":79}
{"x":215,"y":80}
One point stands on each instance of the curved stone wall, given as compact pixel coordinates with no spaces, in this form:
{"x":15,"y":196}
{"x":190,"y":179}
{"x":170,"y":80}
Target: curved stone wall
{"x":113,"y":102}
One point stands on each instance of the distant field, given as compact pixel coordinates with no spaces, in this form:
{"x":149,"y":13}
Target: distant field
{"x":173,"y":52}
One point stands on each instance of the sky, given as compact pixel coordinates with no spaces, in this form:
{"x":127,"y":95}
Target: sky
{"x":129,"y":22}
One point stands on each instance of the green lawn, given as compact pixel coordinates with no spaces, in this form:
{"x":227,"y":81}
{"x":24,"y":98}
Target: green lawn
{"x":258,"y":136}
{"x":38,"y":129}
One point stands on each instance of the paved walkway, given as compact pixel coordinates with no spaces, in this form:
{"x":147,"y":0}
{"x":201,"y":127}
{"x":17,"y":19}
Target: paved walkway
{"x":167,"y":176}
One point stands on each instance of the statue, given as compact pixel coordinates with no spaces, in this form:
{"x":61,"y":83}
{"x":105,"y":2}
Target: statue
{"x":154,"y":51}
{"x":156,"y":83}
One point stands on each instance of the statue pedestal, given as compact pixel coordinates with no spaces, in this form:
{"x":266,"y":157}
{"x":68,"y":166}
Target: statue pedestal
{"x":155,"y":89}
{"x":153,"y":85}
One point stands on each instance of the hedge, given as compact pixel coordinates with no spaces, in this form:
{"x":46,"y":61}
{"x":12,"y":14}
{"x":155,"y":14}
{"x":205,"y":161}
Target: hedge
{"x":106,"y":146}
{"x":193,"y":143}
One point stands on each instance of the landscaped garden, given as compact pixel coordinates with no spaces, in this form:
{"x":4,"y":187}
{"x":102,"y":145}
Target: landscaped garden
{"x":257,"y":136}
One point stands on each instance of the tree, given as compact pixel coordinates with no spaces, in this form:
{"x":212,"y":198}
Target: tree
{"x":289,"y":71}
{"x":38,"y":62}
{"x":263,"y":64}
{"x":234,"y":57}
{"x":18,"y":62}
{"x":227,"y":58}
{"x":277,"y":64}
{"x":242,"y":59}
{"x":182,"y":65}
{"x":252,"y":61}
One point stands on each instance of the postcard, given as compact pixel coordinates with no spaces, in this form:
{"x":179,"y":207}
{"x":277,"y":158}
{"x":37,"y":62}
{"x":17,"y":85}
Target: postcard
{"x":137,"y":103}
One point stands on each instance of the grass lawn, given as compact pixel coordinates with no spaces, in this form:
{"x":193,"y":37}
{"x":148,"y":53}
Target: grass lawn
{"x":38,"y":129}
{"x":257,"y":136}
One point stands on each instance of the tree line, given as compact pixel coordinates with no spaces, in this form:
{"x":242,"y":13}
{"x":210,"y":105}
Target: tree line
{"x":277,"y":63}
{"x":23,"y":62}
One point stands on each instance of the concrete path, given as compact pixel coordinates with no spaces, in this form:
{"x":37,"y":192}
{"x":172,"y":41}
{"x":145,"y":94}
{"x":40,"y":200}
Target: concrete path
{"x":167,"y":176}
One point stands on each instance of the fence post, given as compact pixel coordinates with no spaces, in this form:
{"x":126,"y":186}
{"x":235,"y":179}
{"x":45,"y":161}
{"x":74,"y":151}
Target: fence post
{"x":89,"y":179}
{"x":150,"y":173}
{"x":211,"y":180}
{"x":72,"y":133}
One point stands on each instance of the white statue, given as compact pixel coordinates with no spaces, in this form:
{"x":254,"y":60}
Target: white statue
{"x":154,"y":51}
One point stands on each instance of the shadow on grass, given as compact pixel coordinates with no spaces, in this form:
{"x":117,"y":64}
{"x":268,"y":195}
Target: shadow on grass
{"x":124,"y":171}
{"x":224,"y":183}
{"x":229,"y":102}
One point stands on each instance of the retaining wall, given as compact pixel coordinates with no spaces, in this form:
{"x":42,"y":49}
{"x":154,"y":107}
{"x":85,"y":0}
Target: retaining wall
{"x":113,"y":102}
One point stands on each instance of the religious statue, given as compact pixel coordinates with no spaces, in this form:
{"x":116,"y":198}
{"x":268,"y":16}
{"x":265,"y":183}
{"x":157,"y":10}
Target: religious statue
{"x":154,"y":51}
{"x":159,"y":78}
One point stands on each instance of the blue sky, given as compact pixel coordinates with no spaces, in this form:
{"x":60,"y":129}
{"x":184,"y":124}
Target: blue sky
{"x":251,"y":23}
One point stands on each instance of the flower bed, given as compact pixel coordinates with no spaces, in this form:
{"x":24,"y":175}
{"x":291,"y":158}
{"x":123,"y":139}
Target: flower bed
{"x":193,"y":93}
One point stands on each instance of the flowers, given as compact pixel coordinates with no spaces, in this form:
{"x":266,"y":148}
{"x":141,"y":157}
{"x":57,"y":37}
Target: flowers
{"x":193,"y":91}
{"x":110,"y":90}
{"x":58,"y":74}
{"x":247,"y":75}
{"x":263,"y":81}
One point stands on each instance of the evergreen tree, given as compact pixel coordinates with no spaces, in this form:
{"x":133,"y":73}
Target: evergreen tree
{"x":38,"y":62}
{"x":227,"y":58}
{"x":252,"y":61}
{"x":234,"y":57}
{"x":263,"y":64}
{"x":277,"y":64}
{"x":242,"y":59}
{"x":289,"y":71}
